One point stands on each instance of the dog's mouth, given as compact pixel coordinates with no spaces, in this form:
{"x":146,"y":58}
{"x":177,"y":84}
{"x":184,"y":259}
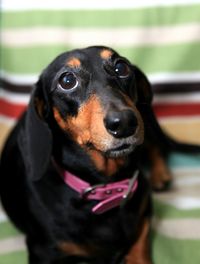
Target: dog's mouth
{"x":120,"y":151}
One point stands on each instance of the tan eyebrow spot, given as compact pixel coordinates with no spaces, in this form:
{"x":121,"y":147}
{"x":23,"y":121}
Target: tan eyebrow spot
{"x":74,"y":62}
{"x":106,"y":54}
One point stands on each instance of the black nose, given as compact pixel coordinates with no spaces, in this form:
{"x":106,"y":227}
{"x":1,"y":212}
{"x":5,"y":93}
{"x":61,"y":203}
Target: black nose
{"x":121,"y":124}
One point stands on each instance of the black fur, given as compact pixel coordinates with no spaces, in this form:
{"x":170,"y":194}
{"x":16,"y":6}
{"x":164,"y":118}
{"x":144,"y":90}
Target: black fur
{"x":33,"y":193}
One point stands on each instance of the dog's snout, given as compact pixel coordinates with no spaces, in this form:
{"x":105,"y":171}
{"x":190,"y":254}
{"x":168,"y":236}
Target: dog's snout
{"x":121,"y":124}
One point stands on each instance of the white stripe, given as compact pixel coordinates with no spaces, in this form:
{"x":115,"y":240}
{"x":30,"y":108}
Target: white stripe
{"x":19,"y":79}
{"x":8,"y":121}
{"x":180,"y":171}
{"x":154,"y":78}
{"x":187,"y":181}
{"x":193,"y":97}
{"x":3,"y":217}
{"x":17,"y":98}
{"x":180,"y":202}
{"x":114,"y":37}
{"x":13,"y":5}
{"x":12,"y":244}
{"x":178,"y":228}
{"x":2,"y":214}
{"x":170,"y":77}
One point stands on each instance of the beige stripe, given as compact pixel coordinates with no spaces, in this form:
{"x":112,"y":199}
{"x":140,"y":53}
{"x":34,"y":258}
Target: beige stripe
{"x":4,"y":130}
{"x":178,"y":228}
{"x":104,"y":36}
{"x":191,"y":191}
{"x":186,"y":129}
{"x":12,"y":244}
{"x":186,"y":173}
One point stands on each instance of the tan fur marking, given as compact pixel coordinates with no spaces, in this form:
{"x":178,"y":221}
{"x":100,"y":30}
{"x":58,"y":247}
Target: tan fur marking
{"x":74,"y":62}
{"x":98,"y":159}
{"x":88,"y":125}
{"x":113,"y":165}
{"x":128,"y":100}
{"x":70,"y":248}
{"x":160,"y":174}
{"x":139,"y":253}
{"x":106,"y":54}
{"x":39,"y":104}
{"x":61,"y":122}
{"x":106,"y":165}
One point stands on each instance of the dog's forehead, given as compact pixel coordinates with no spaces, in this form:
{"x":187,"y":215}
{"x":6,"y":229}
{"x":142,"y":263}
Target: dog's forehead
{"x":88,"y":56}
{"x":90,"y":59}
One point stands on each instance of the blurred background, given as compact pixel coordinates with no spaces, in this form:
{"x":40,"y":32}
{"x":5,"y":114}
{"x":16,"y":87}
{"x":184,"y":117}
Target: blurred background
{"x":163,"y":39}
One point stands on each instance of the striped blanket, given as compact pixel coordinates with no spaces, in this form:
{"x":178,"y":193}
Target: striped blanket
{"x":162,"y":38}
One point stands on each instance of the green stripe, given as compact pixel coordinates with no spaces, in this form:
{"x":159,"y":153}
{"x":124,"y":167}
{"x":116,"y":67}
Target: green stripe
{"x":165,"y":211}
{"x":14,"y":258}
{"x":177,"y":160}
{"x":103,"y":18}
{"x":7,"y":230}
{"x":174,"y":251}
{"x":168,"y":58}
{"x":29,"y":60}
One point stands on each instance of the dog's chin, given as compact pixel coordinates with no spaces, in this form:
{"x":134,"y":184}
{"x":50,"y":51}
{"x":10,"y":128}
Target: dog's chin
{"x":120,"y":152}
{"x":117,"y":148}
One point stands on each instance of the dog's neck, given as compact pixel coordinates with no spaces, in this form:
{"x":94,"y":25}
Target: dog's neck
{"x":108,"y":195}
{"x":105,"y":165}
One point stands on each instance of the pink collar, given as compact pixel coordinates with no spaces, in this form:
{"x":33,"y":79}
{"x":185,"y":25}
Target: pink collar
{"x":110,"y":195}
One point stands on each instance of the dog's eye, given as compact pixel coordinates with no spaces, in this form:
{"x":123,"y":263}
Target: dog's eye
{"x":122,"y":69}
{"x":68,"y":81}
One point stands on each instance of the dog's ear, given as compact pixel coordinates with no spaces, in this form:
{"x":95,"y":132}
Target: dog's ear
{"x":143,"y":87}
{"x":153,"y":131}
{"x":36,"y":138}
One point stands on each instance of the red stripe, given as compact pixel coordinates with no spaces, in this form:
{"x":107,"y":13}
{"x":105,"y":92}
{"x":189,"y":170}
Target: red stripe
{"x":11,"y":109}
{"x":161,"y":110}
{"x":170,"y":110}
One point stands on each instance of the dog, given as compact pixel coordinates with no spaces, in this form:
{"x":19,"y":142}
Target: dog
{"x":71,"y":173}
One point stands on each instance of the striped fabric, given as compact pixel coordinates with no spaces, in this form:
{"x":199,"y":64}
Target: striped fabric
{"x":163,"y":39}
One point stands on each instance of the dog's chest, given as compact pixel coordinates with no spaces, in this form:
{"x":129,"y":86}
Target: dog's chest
{"x":100,"y":236}
{"x":74,"y":223}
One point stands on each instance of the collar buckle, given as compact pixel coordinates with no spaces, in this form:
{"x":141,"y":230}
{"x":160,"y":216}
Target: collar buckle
{"x":129,"y":193}
{"x":130,"y":186}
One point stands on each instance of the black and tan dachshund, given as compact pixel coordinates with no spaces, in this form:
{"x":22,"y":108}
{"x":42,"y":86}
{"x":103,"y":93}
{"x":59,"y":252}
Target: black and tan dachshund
{"x":71,"y":171}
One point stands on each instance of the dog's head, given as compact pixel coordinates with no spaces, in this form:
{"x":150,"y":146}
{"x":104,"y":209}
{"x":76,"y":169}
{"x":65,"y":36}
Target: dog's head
{"x":93,"y":94}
